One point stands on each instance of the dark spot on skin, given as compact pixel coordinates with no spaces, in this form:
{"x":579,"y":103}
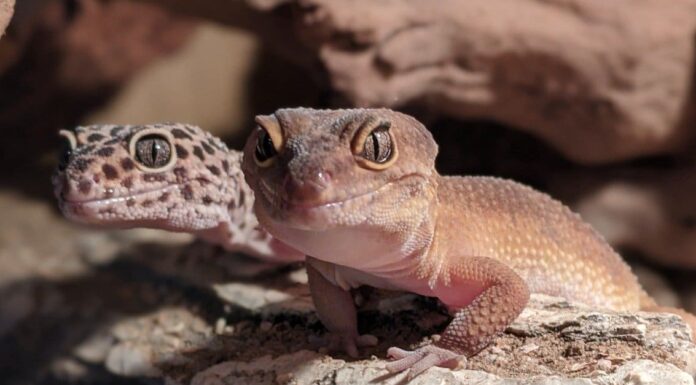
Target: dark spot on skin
{"x":181,"y":134}
{"x":159,"y":177}
{"x":226,"y":166}
{"x":114,"y":131}
{"x":191,"y":130}
{"x":112,"y":141}
{"x":130,"y":202}
{"x":213,"y":143}
{"x":180,"y":172}
{"x":84,"y":186}
{"x":181,"y":152}
{"x":214,"y":170}
{"x":95,"y":137}
{"x":203,"y":181}
{"x":207,"y":148}
{"x":109,"y":171}
{"x":207,"y":200}
{"x":127,"y":164}
{"x":86,"y":149}
{"x":187,"y":192}
{"x":106,"y":211}
{"x":164,"y":197}
{"x":105,"y":152}
{"x":198,"y":152}
{"x":127,"y":183}
{"x":82,"y":164}
{"x":96,"y":178}
{"x":147,"y":203}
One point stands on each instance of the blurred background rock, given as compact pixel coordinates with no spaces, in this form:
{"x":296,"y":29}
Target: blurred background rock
{"x":590,"y":101}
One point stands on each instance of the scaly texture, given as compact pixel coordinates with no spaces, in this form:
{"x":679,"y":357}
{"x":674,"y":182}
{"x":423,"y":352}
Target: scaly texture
{"x":174,"y":176}
{"x":357,"y":190}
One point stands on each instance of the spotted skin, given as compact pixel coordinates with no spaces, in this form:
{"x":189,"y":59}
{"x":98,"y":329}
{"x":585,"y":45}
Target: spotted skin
{"x":101,"y":182}
{"x":480,"y":245}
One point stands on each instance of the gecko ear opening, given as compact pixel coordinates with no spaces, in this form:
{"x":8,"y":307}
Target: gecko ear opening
{"x":374,"y":146}
{"x":152,"y":149}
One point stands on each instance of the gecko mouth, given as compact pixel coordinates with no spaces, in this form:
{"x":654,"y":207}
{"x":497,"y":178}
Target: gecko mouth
{"x":322,"y":213}
{"x":90,"y":207}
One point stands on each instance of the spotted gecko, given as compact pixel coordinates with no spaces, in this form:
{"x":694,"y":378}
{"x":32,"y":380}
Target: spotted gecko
{"x":170,"y":176}
{"x":357,"y":191}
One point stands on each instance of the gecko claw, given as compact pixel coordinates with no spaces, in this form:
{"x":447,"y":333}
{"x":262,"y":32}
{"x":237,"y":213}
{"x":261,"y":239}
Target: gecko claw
{"x":421,"y":359}
{"x":347,"y":344}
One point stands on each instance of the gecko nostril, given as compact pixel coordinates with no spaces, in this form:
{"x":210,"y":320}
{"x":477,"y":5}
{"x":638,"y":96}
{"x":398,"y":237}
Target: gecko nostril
{"x":84,"y":186}
{"x":322,"y":179}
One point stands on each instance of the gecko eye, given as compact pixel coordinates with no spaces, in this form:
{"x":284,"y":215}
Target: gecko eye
{"x":265,"y":150}
{"x":374,"y":147}
{"x":152,"y":150}
{"x":69,"y":144}
{"x":64,"y":157}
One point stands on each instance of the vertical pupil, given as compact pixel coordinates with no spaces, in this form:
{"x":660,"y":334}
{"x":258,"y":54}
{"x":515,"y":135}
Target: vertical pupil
{"x":375,"y":145}
{"x":267,"y":145}
{"x":265,"y":148}
{"x":155,"y":150}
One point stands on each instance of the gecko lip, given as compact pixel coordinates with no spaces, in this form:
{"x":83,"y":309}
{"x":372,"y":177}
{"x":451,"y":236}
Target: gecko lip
{"x":72,"y":206}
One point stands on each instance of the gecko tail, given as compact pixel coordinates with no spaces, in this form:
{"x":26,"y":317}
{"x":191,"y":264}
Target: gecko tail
{"x":649,"y":304}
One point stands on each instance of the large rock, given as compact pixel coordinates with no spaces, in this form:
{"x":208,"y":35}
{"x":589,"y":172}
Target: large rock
{"x":62,"y":59}
{"x":599,"y":80}
{"x":552,"y":342}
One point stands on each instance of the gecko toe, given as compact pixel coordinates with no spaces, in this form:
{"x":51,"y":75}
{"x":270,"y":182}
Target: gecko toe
{"x":421,"y":359}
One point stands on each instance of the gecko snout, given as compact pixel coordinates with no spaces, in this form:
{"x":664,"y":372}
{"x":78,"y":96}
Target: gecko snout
{"x":307,"y":188}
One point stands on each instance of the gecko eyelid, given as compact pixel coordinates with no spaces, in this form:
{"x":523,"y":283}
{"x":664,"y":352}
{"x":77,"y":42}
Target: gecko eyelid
{"x":152,"y":149}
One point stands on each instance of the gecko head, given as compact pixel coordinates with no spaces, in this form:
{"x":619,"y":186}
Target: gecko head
{"x":326,"y":169}
{"x":169,"y":176}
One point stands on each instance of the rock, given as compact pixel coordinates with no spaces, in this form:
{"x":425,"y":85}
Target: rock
{"x":314,"y":368}
{"x":552,"y":342}
{"x":600,"y":81}
{"x":649,"y":210}
{"x":6,"y":10}
{"x":67,"y":57}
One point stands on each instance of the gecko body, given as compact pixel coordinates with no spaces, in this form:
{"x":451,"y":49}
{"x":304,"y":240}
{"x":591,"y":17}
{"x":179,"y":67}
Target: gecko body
{"x":357,"y":191}
{"x":168,"y":176}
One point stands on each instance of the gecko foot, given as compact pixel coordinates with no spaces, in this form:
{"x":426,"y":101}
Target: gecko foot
{"x":421,"y":359}
{"x":348,"y":344}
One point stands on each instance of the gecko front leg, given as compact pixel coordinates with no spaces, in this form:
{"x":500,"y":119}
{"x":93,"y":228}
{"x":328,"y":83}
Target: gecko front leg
{"x":504,"y":296}
{"x":336,"y":310}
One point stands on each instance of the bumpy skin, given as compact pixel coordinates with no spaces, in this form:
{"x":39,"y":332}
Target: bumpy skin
{"x":478,"y":244}
{"x":202,"y":190}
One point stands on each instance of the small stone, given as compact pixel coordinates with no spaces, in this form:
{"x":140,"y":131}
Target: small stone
{"x":604,"y":365}
{"x":529,"y":348}
{"x":265,"y":326}
{"x":220,"y":325}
